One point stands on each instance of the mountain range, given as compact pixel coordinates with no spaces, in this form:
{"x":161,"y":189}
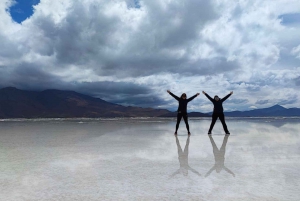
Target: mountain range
{"x":51,"y":103}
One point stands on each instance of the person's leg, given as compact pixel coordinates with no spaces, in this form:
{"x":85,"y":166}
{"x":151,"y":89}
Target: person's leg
{"x":185,"y":118}
{"x":179,"y":116}
{"x":222,"y":119}
{"x":213,"y":121}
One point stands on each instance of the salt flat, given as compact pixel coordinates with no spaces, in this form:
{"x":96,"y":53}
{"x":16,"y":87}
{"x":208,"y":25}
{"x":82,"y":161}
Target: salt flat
{"x":141,"y":159}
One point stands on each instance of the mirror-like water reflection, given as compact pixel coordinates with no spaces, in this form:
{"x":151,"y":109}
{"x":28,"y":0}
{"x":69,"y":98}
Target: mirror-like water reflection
{"x":131,"y":159}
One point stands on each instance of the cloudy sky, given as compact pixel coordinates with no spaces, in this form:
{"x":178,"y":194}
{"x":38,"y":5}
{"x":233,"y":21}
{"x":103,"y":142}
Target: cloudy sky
{"x":131,"y":51}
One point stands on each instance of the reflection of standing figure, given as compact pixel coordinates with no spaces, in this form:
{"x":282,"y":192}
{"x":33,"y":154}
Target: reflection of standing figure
{"x":218,"y":111}
{"x":183,"y":159}
{"x":182,"y":109}
{"x":219,"y":157}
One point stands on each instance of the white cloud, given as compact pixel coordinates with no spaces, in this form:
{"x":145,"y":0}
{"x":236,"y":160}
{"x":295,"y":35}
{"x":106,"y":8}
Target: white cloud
{"x":189,"y":46}
{"x":296,"y":51}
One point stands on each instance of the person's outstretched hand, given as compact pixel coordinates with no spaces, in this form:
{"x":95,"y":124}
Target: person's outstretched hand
{"x":203,"y":92}
{"x":168,"y":91}
{"x":231,"y":92}
{"x":197,"y":94}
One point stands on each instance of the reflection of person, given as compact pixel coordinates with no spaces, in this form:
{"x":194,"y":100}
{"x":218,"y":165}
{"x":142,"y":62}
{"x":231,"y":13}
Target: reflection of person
{"x":182,"y":109}
{"x":218,"y":111}
{"x":219,"y":157}
{"x":183,"y":159}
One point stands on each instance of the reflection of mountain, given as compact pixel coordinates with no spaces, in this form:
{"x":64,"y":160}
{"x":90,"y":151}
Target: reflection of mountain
{"x":219,"y":155}
{"x":275,"y":110}
{"x":183,"y":157}
{"x":15,"y":103}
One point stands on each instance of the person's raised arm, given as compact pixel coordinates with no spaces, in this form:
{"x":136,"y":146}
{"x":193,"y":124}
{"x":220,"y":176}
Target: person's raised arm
{"x":223,"y":99}
{"x":191,"y":98}
{"x":207,"y":96}
{"x":176,"y":97}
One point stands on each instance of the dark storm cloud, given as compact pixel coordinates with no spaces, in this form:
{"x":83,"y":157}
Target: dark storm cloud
{"x":110,"y":87}
{"x":237,"y":101}
{"x":142,"y":101}
{"x":26,"y":76}
{"x":289,"y":100}
{"x":76,"y":45}
{"x":297,"y":81}
{"x":154,"y":65}
{"x":262,"y":102}
{"x":89,"y":37}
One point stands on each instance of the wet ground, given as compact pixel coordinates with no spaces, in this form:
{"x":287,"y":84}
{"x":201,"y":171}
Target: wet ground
{"x":141,"y":159}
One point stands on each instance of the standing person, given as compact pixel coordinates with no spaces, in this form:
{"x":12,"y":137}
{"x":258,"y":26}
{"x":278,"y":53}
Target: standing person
{"x":182,"y":109}
{"x":218,"y":111}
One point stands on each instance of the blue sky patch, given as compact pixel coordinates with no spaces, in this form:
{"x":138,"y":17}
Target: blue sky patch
{"x":22,"y":9}
{"x":289,"y":19}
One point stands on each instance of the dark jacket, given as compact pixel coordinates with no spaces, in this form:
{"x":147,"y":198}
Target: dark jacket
{"x":218,"y":107}
{"x":182,"y":103}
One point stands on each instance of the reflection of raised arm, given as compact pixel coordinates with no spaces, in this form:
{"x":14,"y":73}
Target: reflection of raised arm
{"x":211,"y":169}
{"x":191,"y":98}
{"x":194,"y":171}
{"x":229,"y":171}
{"x":223,"y":99}
{"x":207,"y":96}
{"x":176,"y":97}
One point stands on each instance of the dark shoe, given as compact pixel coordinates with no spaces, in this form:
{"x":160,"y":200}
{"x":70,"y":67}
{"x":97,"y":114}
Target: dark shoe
{"x":209,"y":133}
{"x":189,"y":133}
{"x":175,"y":133}
{"x":227,"y":133}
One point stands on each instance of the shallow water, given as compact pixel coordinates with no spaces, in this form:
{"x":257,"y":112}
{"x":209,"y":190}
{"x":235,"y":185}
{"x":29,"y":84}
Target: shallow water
{"x":140,"y":159}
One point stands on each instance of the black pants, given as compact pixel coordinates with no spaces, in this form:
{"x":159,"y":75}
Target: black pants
{"x":185,"y":118}
{"x":215,"y":116}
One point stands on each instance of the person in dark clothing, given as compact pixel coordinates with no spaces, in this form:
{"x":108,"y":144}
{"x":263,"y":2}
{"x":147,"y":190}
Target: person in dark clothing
{"x":218,"y":111}
{"x":182,"y":109}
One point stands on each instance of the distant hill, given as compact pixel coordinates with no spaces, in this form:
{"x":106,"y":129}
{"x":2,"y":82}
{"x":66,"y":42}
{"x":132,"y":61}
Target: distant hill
{"x":15,"y":103}
{"x":191,"y":114}
{"x":275,"y":110}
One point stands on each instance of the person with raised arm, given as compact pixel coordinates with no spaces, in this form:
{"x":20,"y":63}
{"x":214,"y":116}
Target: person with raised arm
{"x":182,"y":109}
{"x":218,"y":111}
